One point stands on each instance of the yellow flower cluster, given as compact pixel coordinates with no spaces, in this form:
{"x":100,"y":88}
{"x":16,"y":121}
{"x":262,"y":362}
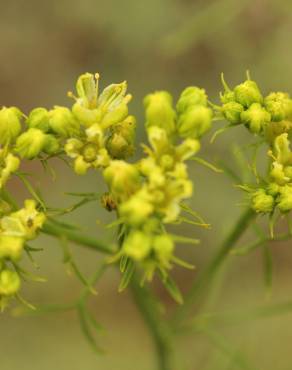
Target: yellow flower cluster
{"x":16,"y":228}
{"x":149,"y":192}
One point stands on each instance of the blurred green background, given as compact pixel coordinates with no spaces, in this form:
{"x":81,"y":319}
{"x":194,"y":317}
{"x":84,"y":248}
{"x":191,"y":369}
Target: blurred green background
{"x":158,"y":44}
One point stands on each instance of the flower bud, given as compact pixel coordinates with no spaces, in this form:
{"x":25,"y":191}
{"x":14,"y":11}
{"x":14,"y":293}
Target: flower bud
{"x":158,"y":139}
{"x":279,"y":105}
{"x":195,"y":122}
{"x":8,"y":164}
{"x":11,"y":247}
{"x":277,"y":173}
{"x":159,"y":111}
{"x":282,"y":150}
{"x":232,"y":111}
{"x":39,"y":118}
{"x":163,"y":247}
{"x":227,"y":96}
{"x":256,"y":118}
{"x":10,"y":124}
{"x":166,"y":162}
{"x":247,"y":93}
{"x":189,"y":97}
{"x":284,"y":201}
{"x":120,"y":143}
{"x":273,"y":189}
{"x":30,"y":143}
{"x":137,"y":209}
{"x":81,"y":166}
{"x":63,"y":122}
{"x":122,"y":178}
{"x":51,"y":145}
{"x":137,"y":245}
{"x":262,"y":202}
{"x":187,"y":149}
{"x":9,"y":283}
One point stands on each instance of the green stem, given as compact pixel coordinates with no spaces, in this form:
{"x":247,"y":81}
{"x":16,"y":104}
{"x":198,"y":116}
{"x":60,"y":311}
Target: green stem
{"x":203,"y":282}
{"x":158,"y":328}
{"x":87,"y":241}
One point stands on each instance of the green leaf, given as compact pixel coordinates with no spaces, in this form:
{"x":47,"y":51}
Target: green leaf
{"x":172,"y":289}
{"x":123,"y":263}
{"x":207,"y":164}
{"x":83,"y":319}
{"x":127,"y":275}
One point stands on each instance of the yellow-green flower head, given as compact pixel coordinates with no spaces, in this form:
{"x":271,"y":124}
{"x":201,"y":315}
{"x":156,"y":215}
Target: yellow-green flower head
{"x":137,"y":245}
{"x":122,"y":178}
{"x":159,"y":111}
{"x":63,"y":123}
{"x":86,"y":154}
{"x":189,"y":97}
{"x":256,"y":118}
{"x":279,"y":105}
{"x":8,"y":165}
{"x":10,"y":124}
{"x":120,"y":143}
{"x":282,"y":150}
{"x":261,"y":202}
{"x":39,"y":118}
{"x":195,"y":122}
{"x":30,"y":143}
{"x":187,"y":149}
{"x":163,"y":247}
{"x":31,"y":219}
{"x":247,"y":93}
{"x":232,"y":111}
{"x":137,"y":209}
{"x":284,"y":200}
{"x":89,"y":152}
{"x":9,"y":283}
{"x":107,"y":109}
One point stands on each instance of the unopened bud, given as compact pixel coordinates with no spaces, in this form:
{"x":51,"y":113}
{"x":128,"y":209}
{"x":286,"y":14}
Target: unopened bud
{"x":10,"y":124}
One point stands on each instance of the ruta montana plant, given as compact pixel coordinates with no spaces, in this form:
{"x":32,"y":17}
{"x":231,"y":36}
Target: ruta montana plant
{"x":146,"y":195}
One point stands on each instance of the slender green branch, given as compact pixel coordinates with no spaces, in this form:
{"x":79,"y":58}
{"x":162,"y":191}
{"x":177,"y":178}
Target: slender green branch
{"x":215,"y":320}
{"x":78,"y":238}
{"x":203,"y":282}
{"x":158,"y":328}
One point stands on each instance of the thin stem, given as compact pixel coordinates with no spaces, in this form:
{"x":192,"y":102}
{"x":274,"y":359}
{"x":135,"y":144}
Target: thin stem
{"x":203,"y":282}
{"x":78,"y":238}
{"x":158,"y":328}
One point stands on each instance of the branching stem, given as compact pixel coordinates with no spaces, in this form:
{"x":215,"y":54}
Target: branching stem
{"x":203,"y":282}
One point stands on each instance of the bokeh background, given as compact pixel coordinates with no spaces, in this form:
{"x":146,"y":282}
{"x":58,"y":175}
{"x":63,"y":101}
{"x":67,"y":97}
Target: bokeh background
{"x":158,"y":44}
